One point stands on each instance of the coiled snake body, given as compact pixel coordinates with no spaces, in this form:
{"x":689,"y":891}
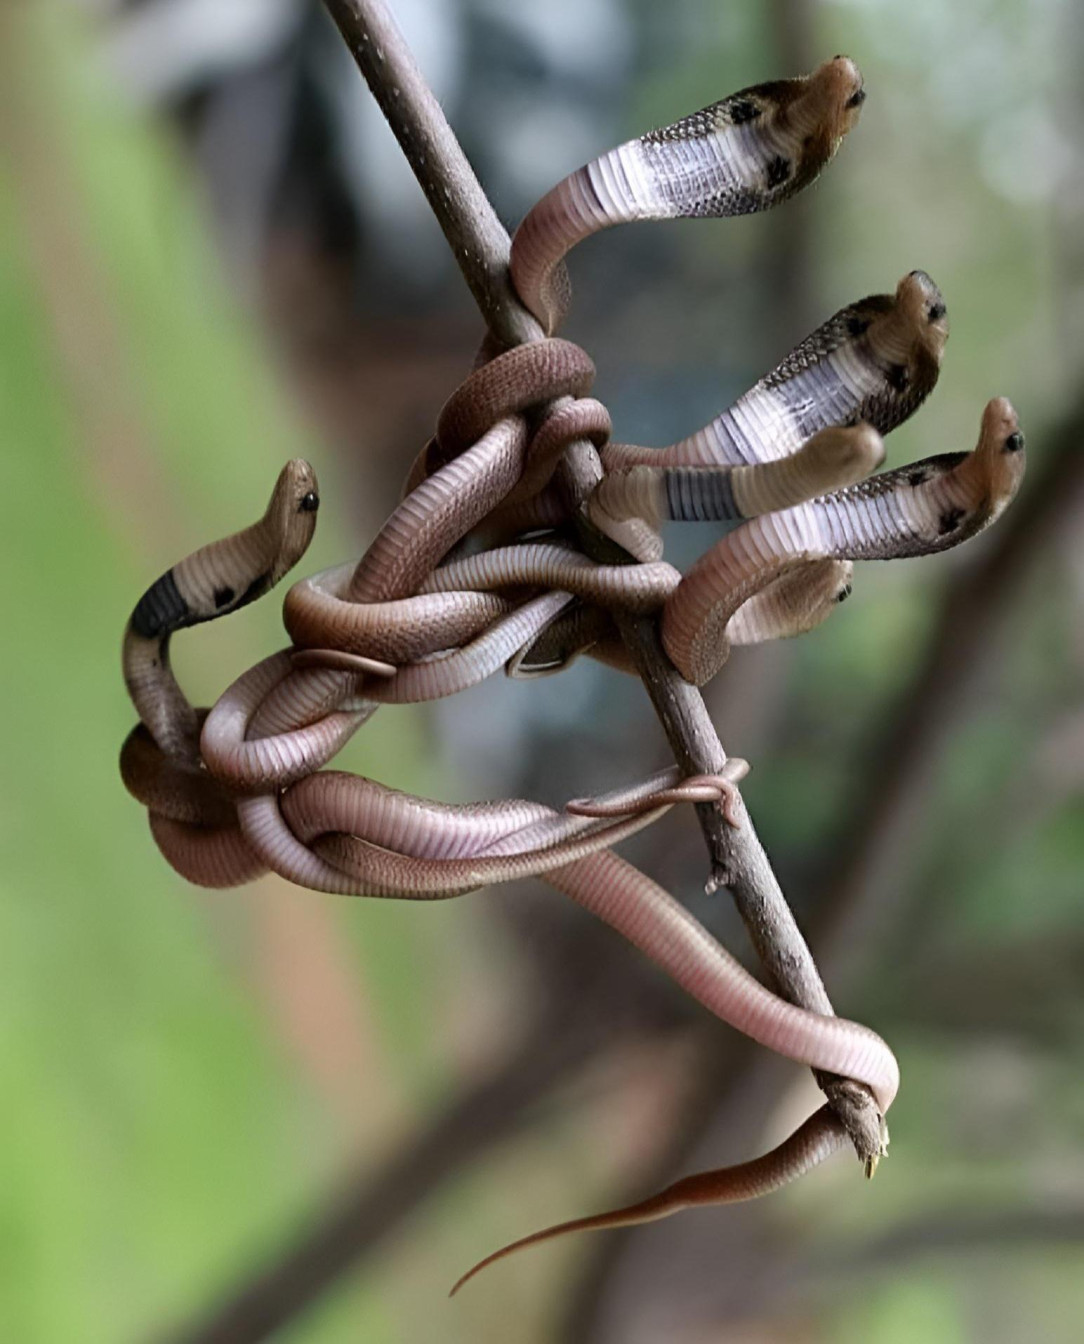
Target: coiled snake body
{"x":239,"y":789}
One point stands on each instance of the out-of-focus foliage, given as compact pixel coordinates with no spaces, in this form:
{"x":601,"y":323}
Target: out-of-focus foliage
{"x":186,"y":1074}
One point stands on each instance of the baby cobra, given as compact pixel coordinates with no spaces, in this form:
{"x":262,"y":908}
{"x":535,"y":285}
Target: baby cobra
{"x":915,"y":510}
{"x":744,"y":154}
{"x":204,"y":586}
{"x":193,"y":822}
{"x":876,"y":360}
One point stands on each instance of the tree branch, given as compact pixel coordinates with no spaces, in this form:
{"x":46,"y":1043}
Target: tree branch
{"x":480,"y":245}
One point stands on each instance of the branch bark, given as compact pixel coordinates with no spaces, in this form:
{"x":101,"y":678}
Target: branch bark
{"x":480,"y":245}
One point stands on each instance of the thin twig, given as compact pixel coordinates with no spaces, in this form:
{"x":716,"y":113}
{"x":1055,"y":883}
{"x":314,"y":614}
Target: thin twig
{"x":480,"y":245}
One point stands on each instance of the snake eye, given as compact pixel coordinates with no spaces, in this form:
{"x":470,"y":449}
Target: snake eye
{"x":936,"y":312}
{"x":844,"y":593}
{"x":1014,"y":442}
{"x":309,"y":503}
{"x":857,"y":98}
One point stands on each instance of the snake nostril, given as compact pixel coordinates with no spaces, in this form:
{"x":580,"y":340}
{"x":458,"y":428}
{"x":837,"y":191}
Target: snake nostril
{"x":309,"y":503}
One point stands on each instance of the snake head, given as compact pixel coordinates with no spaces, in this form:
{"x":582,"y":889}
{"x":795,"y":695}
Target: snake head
{"x":292,"y":513}
{"x":923,"y":305}
{"x":829,"y":102}
{"x":999,"y":459}
{"x":795,"y":602}
{"x":907,"y":332}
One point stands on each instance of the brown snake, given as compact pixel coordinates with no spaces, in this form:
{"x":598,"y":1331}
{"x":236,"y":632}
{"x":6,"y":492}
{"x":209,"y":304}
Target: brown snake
{"x":434,"y":606}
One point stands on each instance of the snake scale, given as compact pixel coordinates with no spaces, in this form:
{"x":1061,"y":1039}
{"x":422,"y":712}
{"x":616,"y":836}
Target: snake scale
{"x":478,"y":569}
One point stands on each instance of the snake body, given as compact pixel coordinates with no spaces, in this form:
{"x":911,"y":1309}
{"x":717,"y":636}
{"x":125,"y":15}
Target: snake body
{"x":744,"y":154}
{"x":671,"y":937}
{"x":792,"y":604}
{"x":915,"y":510}
{"x":191,"y":819}
{"x":240,"y":789}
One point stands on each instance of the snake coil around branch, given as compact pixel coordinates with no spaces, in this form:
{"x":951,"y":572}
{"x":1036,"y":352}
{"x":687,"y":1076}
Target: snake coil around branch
{"x":482,"y":567}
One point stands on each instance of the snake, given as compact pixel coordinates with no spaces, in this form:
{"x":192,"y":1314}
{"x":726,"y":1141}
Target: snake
{"x":744,"y":154}
{"x":477,"y":569}
{"x":192,"y":820}
{"x":914,"y":510}
{"x":873,"y":362}
{"x":211,"y":582}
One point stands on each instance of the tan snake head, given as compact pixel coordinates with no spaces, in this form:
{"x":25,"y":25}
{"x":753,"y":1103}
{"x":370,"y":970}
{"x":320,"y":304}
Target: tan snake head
{"x":908,"y":332}
{"x":792,"y":604}
{"x":921,"y":306}
{"x":291,"y":515}
{"x":828,"y":102}
{"x":996,"y":467}
{"x":837,"y":456}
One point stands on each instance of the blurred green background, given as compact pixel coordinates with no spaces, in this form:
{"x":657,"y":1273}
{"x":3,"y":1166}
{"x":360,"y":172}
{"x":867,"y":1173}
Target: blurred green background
{"x":206,"y":268}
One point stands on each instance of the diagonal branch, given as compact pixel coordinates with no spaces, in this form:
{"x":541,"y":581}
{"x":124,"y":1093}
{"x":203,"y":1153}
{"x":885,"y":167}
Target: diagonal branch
{"x":480,"y":245}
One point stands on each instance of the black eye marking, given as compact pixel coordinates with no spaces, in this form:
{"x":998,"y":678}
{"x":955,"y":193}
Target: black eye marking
{"x":1014,"y":442}
{"x":224,"y":595}
{"x":897,"y":377}
{"x":310,"y":503}
{"x":778,"y":171}
{"x":857,"y":99}
{"x":917,"y":475}
{"x":743,"y":110}
{"x":949,"y":521}
{"x":844,"y":593}
{"x":936,"y":312}
{"x":857,"y":325}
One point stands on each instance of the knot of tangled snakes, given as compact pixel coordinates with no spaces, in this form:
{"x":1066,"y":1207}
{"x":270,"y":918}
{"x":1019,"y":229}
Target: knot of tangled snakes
{"x":479,"y":568}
